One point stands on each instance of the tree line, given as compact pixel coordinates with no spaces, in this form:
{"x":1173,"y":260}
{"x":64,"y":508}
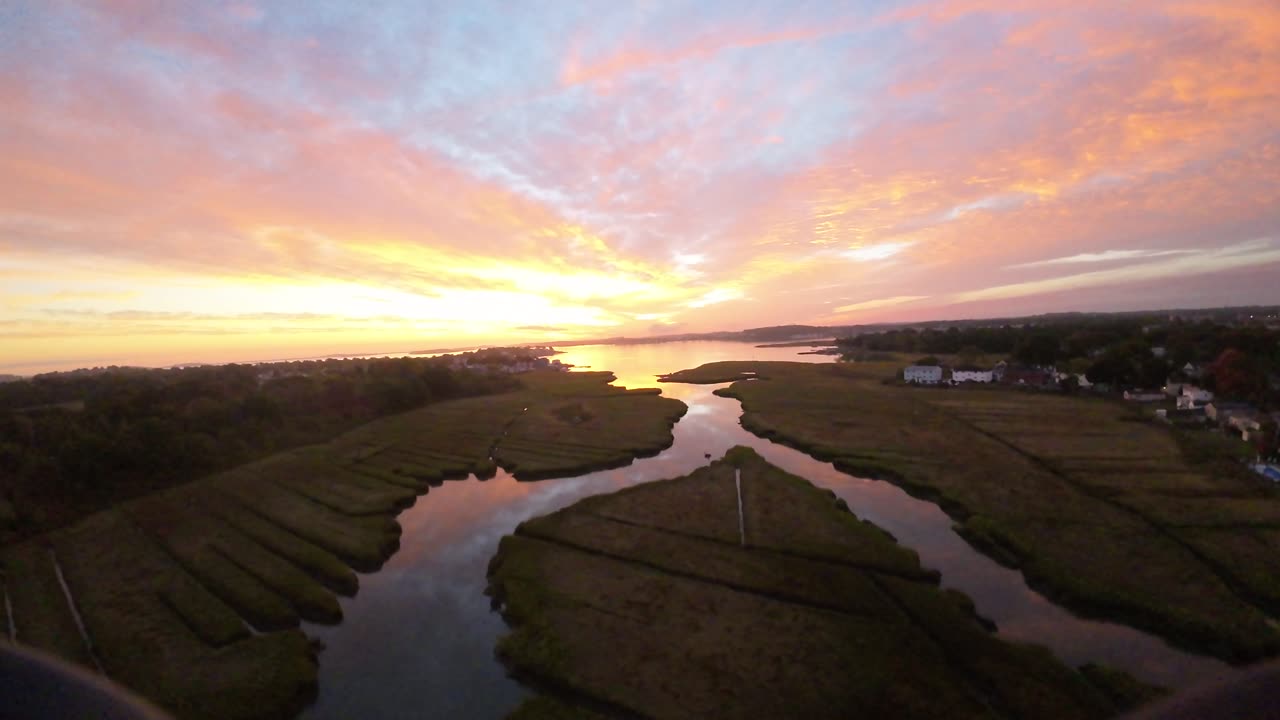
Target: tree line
{"x":1239,"y":361}
{"x":74,"y":442}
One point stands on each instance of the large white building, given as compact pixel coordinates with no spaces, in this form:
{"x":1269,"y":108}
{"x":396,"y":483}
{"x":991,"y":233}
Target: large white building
{"x":923,"y":374}
{"x":1193,"y":397}
{"x":980,"y":376}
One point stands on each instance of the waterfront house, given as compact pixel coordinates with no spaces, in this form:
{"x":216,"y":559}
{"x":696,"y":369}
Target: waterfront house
{"x":923,"y":374}
{"x":1197,"y":395}
{"x":1220,"y":412}
{"x":1193,"y":397}
{"x":1248,"y":423}
{"x":997,"y":372}
{"x":968,"y":374}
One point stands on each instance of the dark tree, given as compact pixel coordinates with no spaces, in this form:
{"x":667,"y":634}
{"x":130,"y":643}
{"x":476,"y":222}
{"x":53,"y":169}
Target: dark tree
{"x":1037,"y":349}
{"x":1235,"y":374}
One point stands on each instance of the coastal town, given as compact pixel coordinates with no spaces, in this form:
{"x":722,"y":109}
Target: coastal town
{"x":1234,"y":394}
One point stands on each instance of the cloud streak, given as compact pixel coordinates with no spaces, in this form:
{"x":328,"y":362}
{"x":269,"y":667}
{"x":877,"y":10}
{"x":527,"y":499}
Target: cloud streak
{"x":1190,"y":263}
{"x":1103,"y":257}
{"x":879,"y":303}
{"x":677,"y":164}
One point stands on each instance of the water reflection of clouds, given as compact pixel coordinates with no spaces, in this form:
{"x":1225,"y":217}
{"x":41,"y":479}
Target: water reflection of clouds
{"x":999,"y":593}
{"x":421,"y":634}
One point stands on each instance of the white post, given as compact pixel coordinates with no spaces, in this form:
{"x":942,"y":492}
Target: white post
{"x":742,"y":531}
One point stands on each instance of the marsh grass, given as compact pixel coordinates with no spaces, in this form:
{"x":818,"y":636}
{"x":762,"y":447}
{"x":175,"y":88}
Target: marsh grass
{"x":41,"y":615}
{"x":1107,"y":513}
{"x":643,"y":600}
{"x":167,"y":582}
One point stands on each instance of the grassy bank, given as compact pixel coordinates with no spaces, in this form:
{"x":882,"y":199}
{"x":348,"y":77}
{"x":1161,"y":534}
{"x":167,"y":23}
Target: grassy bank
{"x":592,"y":433}
{"x":645,"y":602}
{"x":168,"y":585}
{"x":1101,"y":511}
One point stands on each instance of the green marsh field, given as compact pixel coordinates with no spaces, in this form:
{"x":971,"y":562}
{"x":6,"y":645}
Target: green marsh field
{"x":193,"y":596}
{"x":654,"y":601}
{"x":1102,"y":510}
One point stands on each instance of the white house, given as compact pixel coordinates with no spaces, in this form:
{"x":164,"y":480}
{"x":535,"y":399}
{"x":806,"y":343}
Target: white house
{"x":519,"y":366}
{"x":1248,"y":423}
{"x":1193,"y":397}
{"x":997,"y":372}
{"x":1158,"y":351}
{"x":1143,"y":396}
{"x":923,"y":374}
{"x":979,"y":376}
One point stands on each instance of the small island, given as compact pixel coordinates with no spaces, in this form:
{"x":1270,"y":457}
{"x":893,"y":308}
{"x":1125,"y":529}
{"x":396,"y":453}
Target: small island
{"x":740,"y":591}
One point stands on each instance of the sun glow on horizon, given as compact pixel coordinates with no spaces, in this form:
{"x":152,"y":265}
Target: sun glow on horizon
{"x":179,"y":183}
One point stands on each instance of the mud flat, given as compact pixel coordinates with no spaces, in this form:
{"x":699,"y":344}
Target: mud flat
{"x":661,"y":600}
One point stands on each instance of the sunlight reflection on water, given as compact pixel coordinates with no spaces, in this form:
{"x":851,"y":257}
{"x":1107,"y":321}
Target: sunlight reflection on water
{"x":419,"y":636}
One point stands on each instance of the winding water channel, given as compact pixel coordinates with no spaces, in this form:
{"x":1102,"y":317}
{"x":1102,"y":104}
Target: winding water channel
{"x":418,"y":638}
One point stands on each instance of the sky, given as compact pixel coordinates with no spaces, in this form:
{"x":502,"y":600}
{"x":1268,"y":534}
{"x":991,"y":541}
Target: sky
{"x":185,"y":182}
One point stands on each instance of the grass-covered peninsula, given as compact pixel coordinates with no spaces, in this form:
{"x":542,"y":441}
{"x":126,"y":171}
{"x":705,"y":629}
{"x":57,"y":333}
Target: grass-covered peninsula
{"x":193,"y":595}
{"x":656,"y":601}
{"x":1108,"y":513}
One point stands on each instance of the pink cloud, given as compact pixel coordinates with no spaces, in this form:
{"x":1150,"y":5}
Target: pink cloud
{"x":1002,"y":135}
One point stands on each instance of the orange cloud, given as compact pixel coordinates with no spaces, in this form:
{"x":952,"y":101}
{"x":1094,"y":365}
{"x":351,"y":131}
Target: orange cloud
{"x":949,"y":152}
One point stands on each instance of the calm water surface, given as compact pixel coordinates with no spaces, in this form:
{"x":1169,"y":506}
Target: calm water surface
{"x":418,"y":638}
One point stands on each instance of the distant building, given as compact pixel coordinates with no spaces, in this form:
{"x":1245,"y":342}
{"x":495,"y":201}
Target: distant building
{"x":1143,"y":396}
{"x":1158,"y":351}
{"x":1173,"y":389}
{"x":1193,"y":397}
{"x":1191,"y":370}
{"x":1221,"y":412}
{"x":1248,"y":423}
{"x":1198,"y":395}
{"x":923,"y":374}
{"x":997,"y":372}
{"x":970,"y":375}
